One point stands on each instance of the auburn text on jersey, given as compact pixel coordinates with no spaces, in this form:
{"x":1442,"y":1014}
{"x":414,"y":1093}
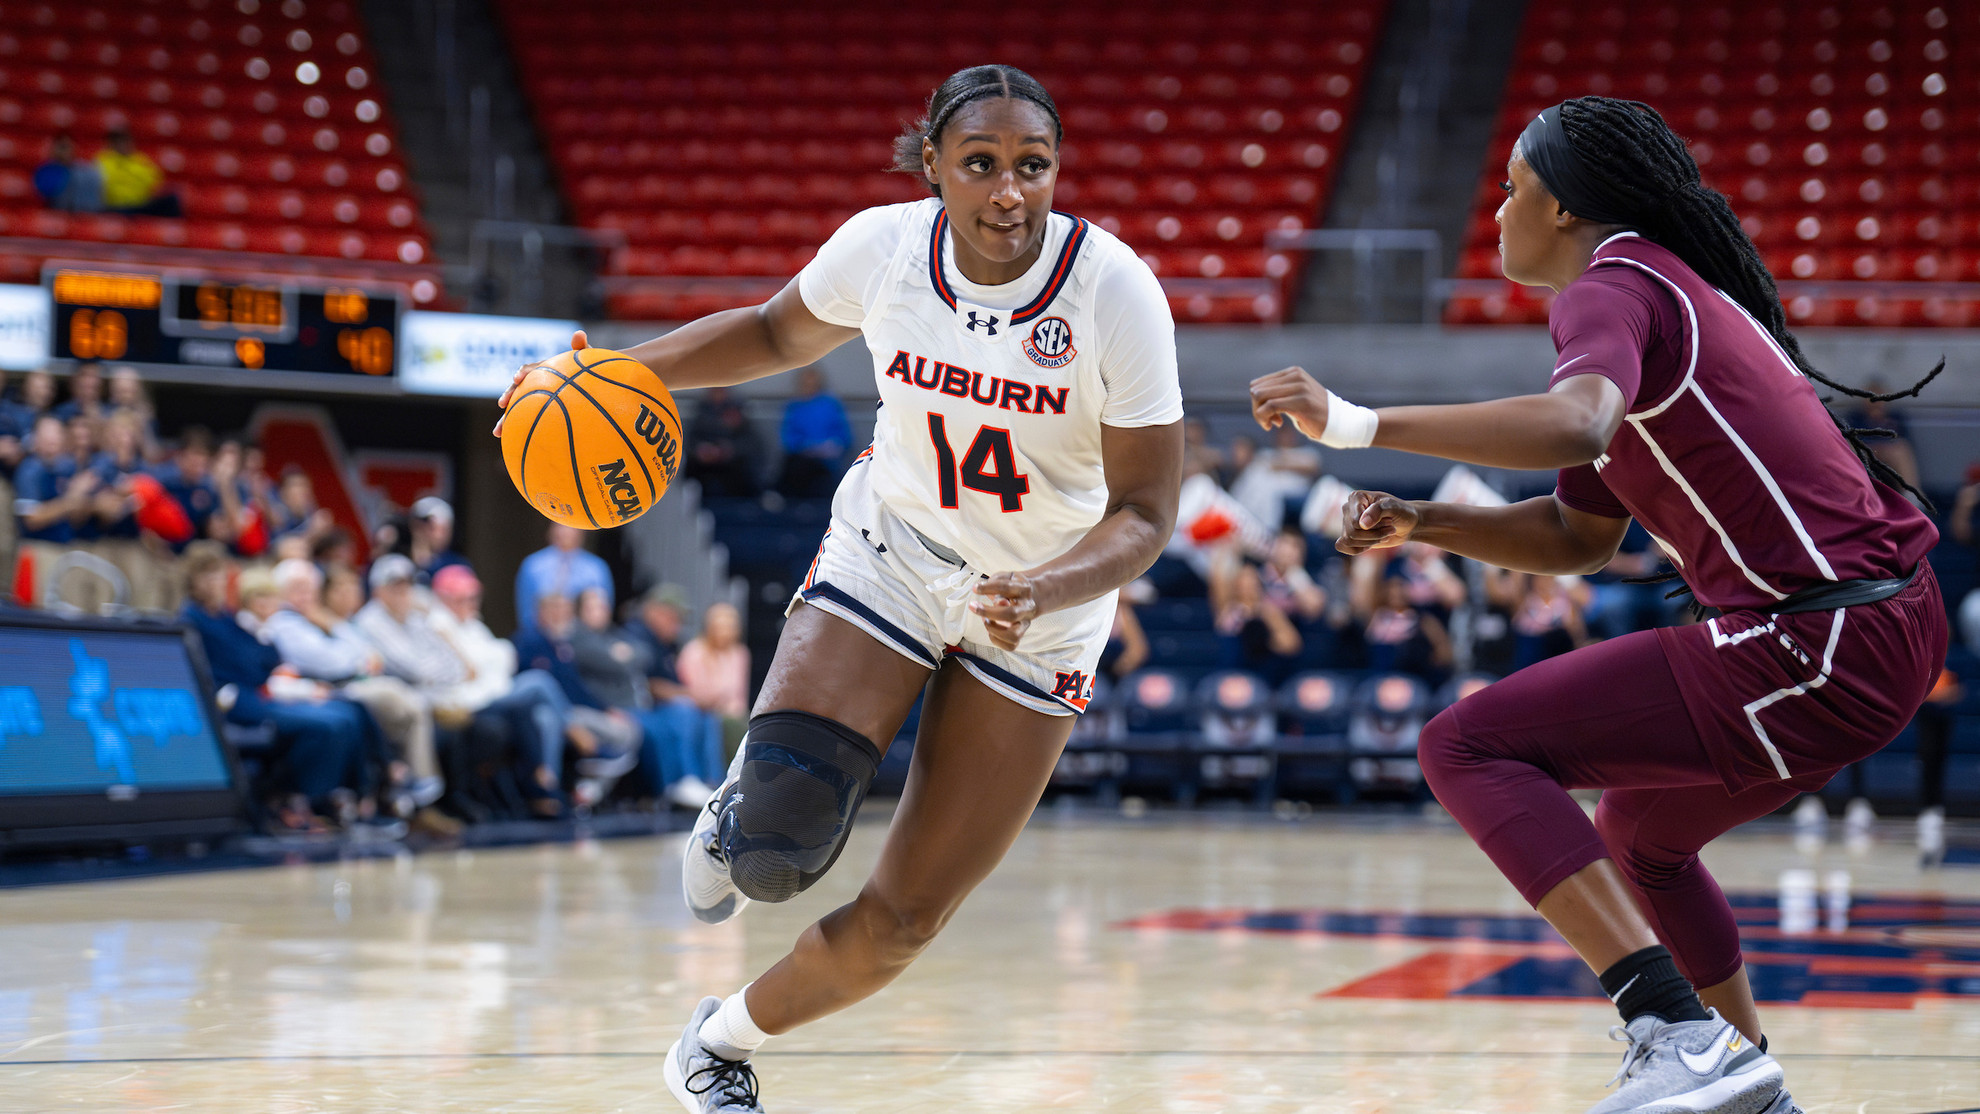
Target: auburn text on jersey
{"x":989,"y":390}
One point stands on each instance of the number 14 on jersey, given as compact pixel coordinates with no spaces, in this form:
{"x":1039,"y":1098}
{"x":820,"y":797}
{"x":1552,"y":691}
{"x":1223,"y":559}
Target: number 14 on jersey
{"x":991,"y":447}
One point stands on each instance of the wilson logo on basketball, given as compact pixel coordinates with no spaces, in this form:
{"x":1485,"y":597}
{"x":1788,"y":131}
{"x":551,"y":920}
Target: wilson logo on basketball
{"x":649,"y":426}
{"x":619,"y":488}
{"x":1050,"y":343}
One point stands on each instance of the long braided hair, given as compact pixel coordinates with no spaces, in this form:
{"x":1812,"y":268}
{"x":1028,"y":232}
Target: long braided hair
{"x":1643,"y":161}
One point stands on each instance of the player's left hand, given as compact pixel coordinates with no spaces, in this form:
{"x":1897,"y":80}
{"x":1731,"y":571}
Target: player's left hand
{"x":1293,"y":394}
{"x":1007,"y":606}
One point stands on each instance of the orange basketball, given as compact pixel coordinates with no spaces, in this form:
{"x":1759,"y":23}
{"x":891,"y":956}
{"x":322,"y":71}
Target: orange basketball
{"x":592,"y":438}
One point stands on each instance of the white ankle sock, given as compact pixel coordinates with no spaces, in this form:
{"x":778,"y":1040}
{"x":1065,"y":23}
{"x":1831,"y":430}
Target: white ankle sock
{"x":731,"y":1030}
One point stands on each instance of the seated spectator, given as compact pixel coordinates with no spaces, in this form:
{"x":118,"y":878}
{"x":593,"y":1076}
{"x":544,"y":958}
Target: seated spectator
{"x":38,"y":392}
{"x":532,"y":701}
{"x":260,"y":601}
{"x":238,"y":521}
{"x":1253,"y":632}
{"x":1548,"y":622}
{"x":1274,"y":485}
{"x":815,"y":436}
{"x":1288,"y":584}
{"x":294,"y":512}
{"x":16,"y":429}
{"x":123,"y":494}
{"x":336,"y":549}
{"x":681,"y":753}
{"x":66,"y":182}
{"x":563,"y":567}
{"x":127,"y":394}
{"x":132,"y":183}
{"x":1127,"y":645}
{"x":85,"y":393}
{"x":658,"y":624}
{"x":1401,"y":637}
{"x":189,"y":479}
{"x":52,"y":497}
{"x":1199,"y":455}
{"x":714,"y":667}
{"x":322,"y":645}
{"x":430,"y":525}
{"x":722,"y":447}
{"x":322,"y":743}
{"x":1432,"y":585}
{"x":607,"y":738}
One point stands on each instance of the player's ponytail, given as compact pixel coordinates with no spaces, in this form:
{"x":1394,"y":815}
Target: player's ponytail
{"x":1645,"y":174}
{"x":972,"y":84}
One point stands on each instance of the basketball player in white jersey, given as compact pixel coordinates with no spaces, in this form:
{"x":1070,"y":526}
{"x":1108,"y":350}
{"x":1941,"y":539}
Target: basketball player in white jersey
{"x":1025,"y":465}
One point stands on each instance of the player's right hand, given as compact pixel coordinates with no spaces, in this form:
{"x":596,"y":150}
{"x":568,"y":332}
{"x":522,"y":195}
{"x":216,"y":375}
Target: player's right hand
{"x":1376,"y":520}
{"x":578,"y":344}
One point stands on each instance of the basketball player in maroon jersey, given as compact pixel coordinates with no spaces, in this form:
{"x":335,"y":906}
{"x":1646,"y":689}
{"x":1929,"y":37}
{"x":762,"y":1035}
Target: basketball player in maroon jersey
{"x":1679,"y":399}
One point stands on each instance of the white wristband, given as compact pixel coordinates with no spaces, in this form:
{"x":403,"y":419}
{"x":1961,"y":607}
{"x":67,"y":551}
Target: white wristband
{"x":1348,"y":426}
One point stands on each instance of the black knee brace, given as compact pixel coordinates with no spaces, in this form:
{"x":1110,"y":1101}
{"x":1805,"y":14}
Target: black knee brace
{"x":785,"y":819}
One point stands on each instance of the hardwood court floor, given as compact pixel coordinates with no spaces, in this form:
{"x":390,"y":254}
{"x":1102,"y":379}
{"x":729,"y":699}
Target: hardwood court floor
{"x":1171,"y":964}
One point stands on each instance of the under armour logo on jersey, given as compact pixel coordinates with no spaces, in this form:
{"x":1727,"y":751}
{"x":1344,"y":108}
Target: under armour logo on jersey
{"x":989,"y":324}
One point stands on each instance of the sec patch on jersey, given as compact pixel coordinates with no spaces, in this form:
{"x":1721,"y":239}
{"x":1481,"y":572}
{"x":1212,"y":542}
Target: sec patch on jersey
{"x":1050,"y":343}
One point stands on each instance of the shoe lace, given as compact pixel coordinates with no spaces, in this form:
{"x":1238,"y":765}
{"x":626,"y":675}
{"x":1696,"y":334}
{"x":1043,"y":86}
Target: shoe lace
{"x":713,"y":847}
{"x":730,"y":1081}
{"x":1633,"y":1057}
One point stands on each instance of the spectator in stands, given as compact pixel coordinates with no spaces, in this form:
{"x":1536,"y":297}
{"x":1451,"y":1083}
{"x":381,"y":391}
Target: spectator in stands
{"x":1199,"y":455}
{"x":722,"y":446}
{"x":127,"y":394}
{"x":336,"y":550}
{"x":1274,"y":485}
{"x":293,"y":512}
{"x":121,"y":487}
{"x":532,"y":701}
{"x":564,"y":568}
{"x":260,"y":601}
{"x":1959,"y":523}
{"x":1253,"y":633}
{"x":681,"y":752}
{"x":132,"y":183}
{"x":1548,"y":622}
{"x":1432,"y":584}
{"x":1127,"y":645}
{"x":430,"y":528}
{"x":237,"y":521}
{"x":321,"y":744}
{"x":85,"y":393}
{"x":1402,"y":637}
{"x":320,"y":644}
{"x":189,"y":479}
{"x":658,"y":623}
{"x":51,"y":496}
{"x":38,"y":393}
{"x":16,"y":429}
{"x":1288,"y":584}
{"x":815,"y":436}
{"x":66,"y":182}
{"x":714,"y":667}
{"x":608,"y":738}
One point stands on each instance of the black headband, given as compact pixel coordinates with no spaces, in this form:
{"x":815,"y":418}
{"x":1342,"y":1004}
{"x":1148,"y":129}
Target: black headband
{"x":1544,"y":145}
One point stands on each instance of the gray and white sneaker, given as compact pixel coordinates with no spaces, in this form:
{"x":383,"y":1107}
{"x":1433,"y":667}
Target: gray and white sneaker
{"x":1690,"y":1067}
{"x":711,"y":896}
{"x":704,"y":1082}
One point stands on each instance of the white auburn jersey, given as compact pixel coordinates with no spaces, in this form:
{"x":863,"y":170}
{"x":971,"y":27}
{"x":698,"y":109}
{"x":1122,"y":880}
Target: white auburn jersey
{"x":993,"y":397}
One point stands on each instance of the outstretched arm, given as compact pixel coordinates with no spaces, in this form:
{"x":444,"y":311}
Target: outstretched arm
{"x":730,"y":347}
{"x":1144,"y":479}
{"x":1542,"y":535}
{"x":1571,"y":424}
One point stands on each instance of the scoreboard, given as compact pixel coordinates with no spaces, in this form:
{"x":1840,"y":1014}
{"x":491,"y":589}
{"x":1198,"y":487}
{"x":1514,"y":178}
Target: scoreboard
{"x":206,"y":327}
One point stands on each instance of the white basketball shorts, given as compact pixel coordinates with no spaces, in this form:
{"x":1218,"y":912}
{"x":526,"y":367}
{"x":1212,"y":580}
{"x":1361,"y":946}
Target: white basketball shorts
{"x":876,"y":572}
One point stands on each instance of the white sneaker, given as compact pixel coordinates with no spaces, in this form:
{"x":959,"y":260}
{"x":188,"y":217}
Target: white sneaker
{"x":701,"y":1080}
{"x":1811,"y":818}
{"x":1857,"y":819}
{"x":711,"y":896}
{"x":1932,"y":836}
{"x":1684,"y":1067}
{"x":690,"y":792}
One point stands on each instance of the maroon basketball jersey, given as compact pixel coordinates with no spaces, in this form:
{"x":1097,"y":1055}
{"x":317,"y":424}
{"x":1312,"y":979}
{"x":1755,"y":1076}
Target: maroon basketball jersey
{"x":1727,"y":456}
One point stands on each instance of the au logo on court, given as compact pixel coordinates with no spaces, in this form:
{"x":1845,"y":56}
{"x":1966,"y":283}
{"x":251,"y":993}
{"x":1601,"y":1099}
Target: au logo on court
{"x":1050,"y":343}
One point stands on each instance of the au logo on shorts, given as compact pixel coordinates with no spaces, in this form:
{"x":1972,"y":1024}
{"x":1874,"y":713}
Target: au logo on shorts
{"x":1050,"y":343}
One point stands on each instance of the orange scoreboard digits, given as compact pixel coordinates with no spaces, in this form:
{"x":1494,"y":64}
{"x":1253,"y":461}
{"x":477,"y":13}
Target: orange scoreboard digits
{"x":264,"y":324}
